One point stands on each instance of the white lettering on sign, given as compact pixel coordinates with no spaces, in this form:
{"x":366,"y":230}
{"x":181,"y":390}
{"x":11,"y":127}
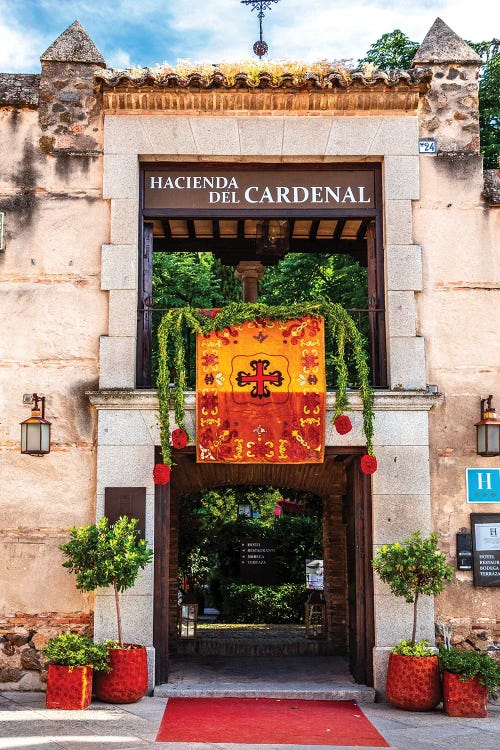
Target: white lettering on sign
{"x":487,"y":476}
{"x":222,"y":189}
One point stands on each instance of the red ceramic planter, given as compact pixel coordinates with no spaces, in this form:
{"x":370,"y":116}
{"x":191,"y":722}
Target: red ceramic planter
{"x":464,"y":698}
{"x":68,"y":687}
{"x":413,"y":682}
{"x":128,"y":679}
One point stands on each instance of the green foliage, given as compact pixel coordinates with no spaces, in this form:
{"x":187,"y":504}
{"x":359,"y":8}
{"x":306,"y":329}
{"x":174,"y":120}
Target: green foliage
{"x":413,"y":567}
{"x":407,"y":648}
{"x":339,"y":326}
{"x":470,"y":664}
{"x":392,"y":51}
{"x":489,"y":100}
{"x":263,"y":604}
{"x":102,"y":555}
{"x":73,"y":650}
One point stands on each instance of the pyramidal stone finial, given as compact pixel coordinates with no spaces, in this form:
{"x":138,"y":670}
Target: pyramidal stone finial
{"x":442,"y":45}
{"x":74,"y":45}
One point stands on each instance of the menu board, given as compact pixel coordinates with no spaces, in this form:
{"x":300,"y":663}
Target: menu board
{"x":486,"y":548}
{"x":257,"y":562}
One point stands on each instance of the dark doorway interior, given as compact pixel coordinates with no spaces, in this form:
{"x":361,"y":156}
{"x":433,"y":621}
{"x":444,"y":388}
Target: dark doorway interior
{"x":346,"y":538}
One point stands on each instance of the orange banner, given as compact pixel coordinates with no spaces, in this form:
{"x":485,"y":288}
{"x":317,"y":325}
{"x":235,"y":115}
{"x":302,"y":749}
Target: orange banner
{"x":260,"y":393}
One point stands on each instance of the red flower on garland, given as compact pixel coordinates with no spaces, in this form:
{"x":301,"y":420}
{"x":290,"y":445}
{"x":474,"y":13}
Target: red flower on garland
{"x":368,"y":464}
{"x":343,"y":424}
{"x":161,"y":474}
{"x":179,"y":439}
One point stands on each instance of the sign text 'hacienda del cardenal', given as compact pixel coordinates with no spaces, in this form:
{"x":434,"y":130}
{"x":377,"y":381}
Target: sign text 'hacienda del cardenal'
{"x":259,"y":189}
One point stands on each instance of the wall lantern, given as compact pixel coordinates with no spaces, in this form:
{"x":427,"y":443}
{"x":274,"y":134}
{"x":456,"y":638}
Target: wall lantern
{"x":316,"y":615}
{"x":245,"y":509}
{"x":35,"y":431}
{"x":488,"y":430}
{"x":272,"y":237}
{"x":188,"y":615}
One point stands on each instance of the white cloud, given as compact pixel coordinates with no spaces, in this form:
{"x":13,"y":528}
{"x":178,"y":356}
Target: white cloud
{"x":19,"y":52}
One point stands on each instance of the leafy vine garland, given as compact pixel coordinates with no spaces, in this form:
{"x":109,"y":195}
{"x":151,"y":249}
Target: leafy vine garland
{"x":338,"y":323}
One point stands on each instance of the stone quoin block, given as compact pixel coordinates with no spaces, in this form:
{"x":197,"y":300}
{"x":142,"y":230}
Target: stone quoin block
{"x":169,"y":135}
{"x":128,"y":427}
{"x":401,"y":313}
{"x":394,"y":617}
{"x":261,"y":137}
{"x":121,"y":176}
{"x":215,"y":136}
{"x":398,"y":222}
{"x":396,"y":517}
{"x":125,"y":135}
{"x":400,"y":427}
{"x":137,"y":617}
{"x":401,"y":177}
{"x":119,"y":267}
{"x":406,"y":363}
{"x":403,"y":469}
{"x":404,"y":267}
{"x":122,"y":312}
{"x":306,"y":136}
{"x":125,"y":466}
{"x":117,"y":361}
{"x":124,"y":212}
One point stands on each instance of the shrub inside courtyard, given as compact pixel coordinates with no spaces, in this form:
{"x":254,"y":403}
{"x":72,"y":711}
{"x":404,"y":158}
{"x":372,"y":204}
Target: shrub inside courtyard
{"x":263,"y":604}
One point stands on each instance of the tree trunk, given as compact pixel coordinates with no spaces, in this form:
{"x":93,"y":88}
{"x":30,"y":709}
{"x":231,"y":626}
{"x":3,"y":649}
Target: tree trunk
{"x":118,"y":615}
{"x":414,"y":632}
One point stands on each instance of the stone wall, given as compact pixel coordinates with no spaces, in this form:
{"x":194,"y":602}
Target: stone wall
{"x":22,"y":638}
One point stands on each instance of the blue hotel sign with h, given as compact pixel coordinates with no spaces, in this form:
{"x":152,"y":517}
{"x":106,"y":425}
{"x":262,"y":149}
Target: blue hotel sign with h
{"x":483,"y":485}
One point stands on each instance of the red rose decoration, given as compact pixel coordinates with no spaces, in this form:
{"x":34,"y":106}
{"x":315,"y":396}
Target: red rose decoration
{"x":179,"y":438}
{"x":161,"y":474}
{"x":368,"y":464}
{"x":343,"y":424}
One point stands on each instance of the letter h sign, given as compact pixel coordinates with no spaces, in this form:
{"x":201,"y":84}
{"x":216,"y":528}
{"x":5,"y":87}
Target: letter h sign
{"x":483,"y":485}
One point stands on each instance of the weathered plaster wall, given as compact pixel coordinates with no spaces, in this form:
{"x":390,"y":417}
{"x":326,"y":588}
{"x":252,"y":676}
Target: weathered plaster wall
{"x":51,"y":316}
{"x":458,"y":314}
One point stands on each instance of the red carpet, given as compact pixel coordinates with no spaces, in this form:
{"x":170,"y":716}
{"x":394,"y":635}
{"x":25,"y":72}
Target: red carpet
{"x":266,"y":721}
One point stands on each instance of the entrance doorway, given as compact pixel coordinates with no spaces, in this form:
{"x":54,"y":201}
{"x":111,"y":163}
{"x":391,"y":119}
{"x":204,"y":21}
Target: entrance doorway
{"x":346,"y":507}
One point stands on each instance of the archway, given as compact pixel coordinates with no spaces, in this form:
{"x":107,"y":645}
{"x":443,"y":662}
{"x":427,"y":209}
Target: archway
{"x":347,"y":516}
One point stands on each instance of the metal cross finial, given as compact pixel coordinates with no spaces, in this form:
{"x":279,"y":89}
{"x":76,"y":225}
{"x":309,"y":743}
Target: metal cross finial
{"x":260,"y":47}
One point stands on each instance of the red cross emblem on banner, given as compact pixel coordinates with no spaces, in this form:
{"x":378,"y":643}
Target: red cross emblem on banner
{"x":259,"y":379}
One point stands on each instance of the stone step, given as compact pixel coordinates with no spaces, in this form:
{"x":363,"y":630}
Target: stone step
{"x":301,"y":691}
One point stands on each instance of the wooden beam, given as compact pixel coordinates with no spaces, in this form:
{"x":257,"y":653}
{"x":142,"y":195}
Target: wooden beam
{"x":167,"y":229}
{"x":216,"y":229}
{"x":360,"y":234}
{"x":339,"y":228}
{"x":191,"y":229}
{"x":247,"y":246}
{"x":313,"y":231}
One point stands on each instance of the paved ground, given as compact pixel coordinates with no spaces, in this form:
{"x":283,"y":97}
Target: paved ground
{"x":25,"y":724}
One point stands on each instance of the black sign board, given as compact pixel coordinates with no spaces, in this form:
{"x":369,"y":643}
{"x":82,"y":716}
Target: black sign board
{"x":257,"y":562}
{"x":200,"y":189}
{"x":126,"y":501}
{"x":486,"y":548}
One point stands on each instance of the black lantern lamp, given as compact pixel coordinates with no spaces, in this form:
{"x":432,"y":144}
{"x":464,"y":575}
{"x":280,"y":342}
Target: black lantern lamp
{"x":188,"y":615}
{"x":488,"y":430}
{"x":272,"y":237}
{"x":35,"y":431}
{"x":245,"y":509}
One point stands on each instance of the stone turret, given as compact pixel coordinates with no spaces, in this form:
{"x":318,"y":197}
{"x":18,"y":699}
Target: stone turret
{"x":70,"y":111}
{"x":450,"y":110}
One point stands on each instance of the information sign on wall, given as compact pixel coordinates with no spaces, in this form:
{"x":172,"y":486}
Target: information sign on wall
{"x":257,"y":562}
{"x":483,"y":485}
{"x":486,"y":548}
{"x":314,"y":574}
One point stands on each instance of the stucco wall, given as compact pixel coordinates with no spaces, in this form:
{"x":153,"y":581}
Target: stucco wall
{"x":458,"y":312}
{"x":52,"y":312}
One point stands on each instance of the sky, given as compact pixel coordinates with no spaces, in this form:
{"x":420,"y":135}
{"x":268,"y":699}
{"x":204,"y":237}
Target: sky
{"x":140,"y":33}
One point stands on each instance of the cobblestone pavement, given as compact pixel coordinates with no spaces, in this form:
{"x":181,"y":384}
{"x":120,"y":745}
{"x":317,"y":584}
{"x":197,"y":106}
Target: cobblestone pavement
{"x":25,"y":724}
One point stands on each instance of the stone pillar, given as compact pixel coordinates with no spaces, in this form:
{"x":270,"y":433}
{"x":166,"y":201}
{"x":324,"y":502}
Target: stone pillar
{"x":450,"y":110}
{"x":249,"y":272}
{"x":70,"y":109}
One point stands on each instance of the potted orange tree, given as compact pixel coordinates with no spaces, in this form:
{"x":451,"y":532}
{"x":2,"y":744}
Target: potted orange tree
{"x":412,"y":568}
{"x":102,"y":555}
{"x":468,"y":677}
{"x":72,"y":659}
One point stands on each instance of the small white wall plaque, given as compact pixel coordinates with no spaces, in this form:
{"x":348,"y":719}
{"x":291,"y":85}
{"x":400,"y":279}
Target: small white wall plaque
{"x":427,"y":146}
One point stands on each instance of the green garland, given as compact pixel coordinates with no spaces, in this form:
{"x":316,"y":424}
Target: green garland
{"x":338,"y":323}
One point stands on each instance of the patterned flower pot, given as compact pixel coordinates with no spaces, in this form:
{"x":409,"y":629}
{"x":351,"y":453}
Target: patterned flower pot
{"x":413,"y":682}
{"x":68,"y":687}
{"x":464,"y":698}
{"x":128,"y":679}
